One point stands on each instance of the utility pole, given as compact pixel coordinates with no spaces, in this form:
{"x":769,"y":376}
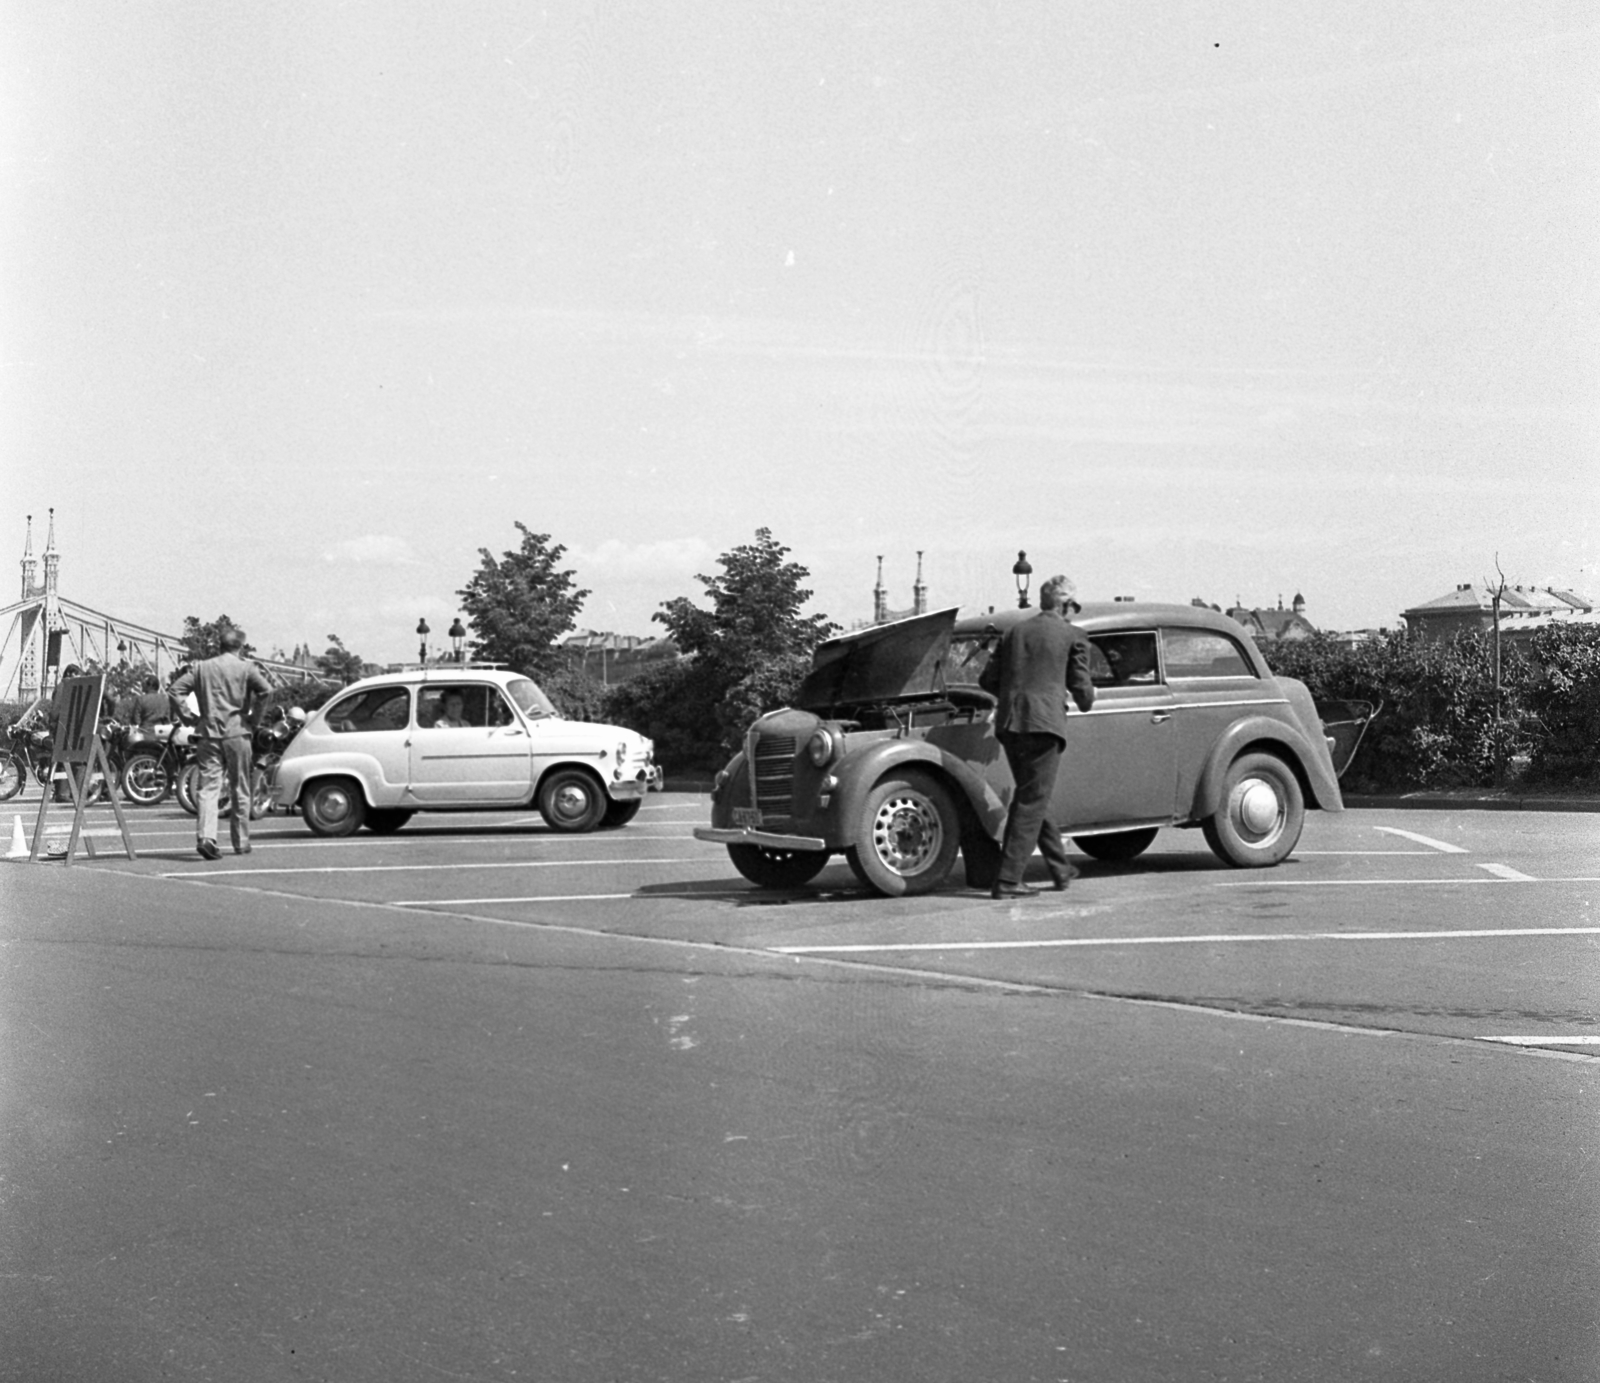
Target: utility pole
{"x":1496,"y":594}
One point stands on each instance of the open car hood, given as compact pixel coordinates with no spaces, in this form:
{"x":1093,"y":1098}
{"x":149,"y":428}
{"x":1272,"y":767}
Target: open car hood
{"x":886,"y":662}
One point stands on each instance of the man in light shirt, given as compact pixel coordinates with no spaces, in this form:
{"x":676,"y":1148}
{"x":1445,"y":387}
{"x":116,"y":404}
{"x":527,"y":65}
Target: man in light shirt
{"x":231,"y":691}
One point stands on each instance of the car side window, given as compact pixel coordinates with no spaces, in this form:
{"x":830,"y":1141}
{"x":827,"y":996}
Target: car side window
{"x":1121,"y":660}
{"x":1203,"y":653}
{"x":465,"y":703}
{"x":377,"y":708}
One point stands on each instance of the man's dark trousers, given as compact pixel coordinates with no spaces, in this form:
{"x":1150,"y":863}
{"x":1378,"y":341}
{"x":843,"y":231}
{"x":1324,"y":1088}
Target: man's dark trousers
{"x":1034,"y":759}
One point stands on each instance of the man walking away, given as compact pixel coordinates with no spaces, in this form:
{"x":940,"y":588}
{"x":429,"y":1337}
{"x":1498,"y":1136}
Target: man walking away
{"x":230,"y":691}
{"x":1038,"y":661}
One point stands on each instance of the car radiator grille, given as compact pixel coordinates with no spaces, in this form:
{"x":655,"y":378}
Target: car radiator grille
{"x":773,"y":761}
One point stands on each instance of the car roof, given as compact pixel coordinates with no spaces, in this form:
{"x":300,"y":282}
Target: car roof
{"x":1098,"y":617}
{"x":442,"y":676}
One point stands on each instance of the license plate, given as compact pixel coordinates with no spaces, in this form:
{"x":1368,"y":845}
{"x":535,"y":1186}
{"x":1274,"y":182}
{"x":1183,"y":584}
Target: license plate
{"x":746,"y":816}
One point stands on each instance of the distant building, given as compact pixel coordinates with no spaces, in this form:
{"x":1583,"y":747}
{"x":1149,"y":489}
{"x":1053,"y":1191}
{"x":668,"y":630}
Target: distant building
{"x":617,"y":657}
{"x":1523,"y":610}
{"x":1272,"y":625}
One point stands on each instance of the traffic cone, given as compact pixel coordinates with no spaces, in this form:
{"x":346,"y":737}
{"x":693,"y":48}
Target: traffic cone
{"x":19,"y":842}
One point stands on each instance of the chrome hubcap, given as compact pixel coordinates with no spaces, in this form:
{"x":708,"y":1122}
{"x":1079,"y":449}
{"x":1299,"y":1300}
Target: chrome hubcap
{"x":907,"y":833}
{"x":335,"y":804}
{"x":1257,"y":810}
{"x":571,"y":801}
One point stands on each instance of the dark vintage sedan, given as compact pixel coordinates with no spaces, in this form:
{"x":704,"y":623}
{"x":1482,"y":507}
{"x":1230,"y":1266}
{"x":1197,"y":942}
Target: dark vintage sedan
{"x":889,"y":756}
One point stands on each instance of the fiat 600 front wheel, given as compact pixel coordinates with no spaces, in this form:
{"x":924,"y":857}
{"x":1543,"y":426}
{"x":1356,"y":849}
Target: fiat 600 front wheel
{"x":907,"y":836}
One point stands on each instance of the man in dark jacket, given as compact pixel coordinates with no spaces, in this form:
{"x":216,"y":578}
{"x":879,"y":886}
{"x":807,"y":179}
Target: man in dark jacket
{"x":1038,"y":661}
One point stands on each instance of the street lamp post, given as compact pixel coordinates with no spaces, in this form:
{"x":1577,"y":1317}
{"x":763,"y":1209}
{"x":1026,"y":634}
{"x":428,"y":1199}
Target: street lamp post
{"x":1023,"y":571}
{"x":422,"y":633}
{"x":457,"y":637}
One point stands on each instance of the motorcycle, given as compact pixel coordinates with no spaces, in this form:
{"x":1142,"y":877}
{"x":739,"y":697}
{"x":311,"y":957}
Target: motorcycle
{"x":152,"y":762}
{"x":27,"y":751}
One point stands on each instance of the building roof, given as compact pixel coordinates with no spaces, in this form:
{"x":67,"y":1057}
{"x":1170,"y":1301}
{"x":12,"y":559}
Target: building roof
{"x":1517,"y":600}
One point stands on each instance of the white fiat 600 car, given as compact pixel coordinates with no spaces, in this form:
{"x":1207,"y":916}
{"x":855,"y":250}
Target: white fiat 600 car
{"x":456,"y":737}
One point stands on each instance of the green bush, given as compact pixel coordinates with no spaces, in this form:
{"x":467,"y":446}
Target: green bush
{"x":1437,"y":727}
{"x":1563,"y":700}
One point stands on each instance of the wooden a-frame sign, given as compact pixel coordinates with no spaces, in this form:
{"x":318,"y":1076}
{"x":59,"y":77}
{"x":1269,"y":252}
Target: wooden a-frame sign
{"x":76,"y":747}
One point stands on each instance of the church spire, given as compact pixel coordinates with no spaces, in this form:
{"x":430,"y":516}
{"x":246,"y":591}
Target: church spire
{"x":919,"y":590}
{"x":28,"y":564}
{"x":880,"y":597}
{"x":52,"y":558}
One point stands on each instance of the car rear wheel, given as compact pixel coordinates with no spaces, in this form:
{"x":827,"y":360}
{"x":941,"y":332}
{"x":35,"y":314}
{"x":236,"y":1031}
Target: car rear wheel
{"x":1116,"y":845}
{"x":334,"y":807}
{"x":907,"y":837}
{"x":619,"y":814}
{"x":1258,"y":820}
{"x":571,"y":801}
{"x":385,"y":821}
{"x":768,"y":868}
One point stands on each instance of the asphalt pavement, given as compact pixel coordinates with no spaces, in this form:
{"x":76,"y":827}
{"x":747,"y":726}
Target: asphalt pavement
{"x":478,"y":1101}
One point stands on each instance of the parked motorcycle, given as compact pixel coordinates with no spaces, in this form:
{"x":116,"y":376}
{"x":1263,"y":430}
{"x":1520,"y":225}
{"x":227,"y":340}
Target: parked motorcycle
{"x":152,"y":762}
{"x":27,"y":752}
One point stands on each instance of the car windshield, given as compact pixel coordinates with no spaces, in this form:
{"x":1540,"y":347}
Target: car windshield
{"x":532,"y":702}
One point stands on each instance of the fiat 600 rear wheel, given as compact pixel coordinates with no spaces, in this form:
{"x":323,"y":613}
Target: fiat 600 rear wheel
{"x":907,"y":838}
{"x":1259,"y":818}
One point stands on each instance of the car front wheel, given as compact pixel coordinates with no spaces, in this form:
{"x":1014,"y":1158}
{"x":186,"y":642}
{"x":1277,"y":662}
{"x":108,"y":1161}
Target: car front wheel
{"x":907,"y":837}
{"x":571,"y":801}
{"x":334,"y":807}
{"x":1259,"y":818}
{"x":385,"y":821}
{"x":620,"y":813}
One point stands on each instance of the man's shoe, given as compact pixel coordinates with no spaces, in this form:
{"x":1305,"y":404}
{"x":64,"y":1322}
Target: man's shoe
{"x":208,"y":850}
{"x":241,"y":849}
{"x":1059,"y":881}
{"x":1005,"y":890}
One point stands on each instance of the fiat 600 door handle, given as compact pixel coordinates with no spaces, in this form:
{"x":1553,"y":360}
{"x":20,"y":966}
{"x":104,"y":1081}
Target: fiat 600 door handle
{"x":1158,"y":717}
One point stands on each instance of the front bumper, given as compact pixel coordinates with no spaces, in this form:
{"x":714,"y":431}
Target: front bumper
{"x":648,"y":779}
{"x":769,"y":840}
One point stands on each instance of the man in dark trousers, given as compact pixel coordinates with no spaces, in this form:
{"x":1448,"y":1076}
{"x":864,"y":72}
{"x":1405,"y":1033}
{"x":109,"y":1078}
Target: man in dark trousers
{"x":1038,"y":661}
{"x":230,"y":691}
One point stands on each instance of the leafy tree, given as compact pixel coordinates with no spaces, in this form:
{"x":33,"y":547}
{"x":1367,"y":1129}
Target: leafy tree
{"x":1563,"y":700}
{"x":338,"y":662}
{"x":744,"y":655}
{"x":204,"y":640}
{"x":755,"y":611}
{"x":520,"y":604}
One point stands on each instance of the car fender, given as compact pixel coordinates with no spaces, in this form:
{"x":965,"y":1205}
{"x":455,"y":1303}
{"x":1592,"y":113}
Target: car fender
{"x":733,"y":792}
{"x":589,"y":762}
{"x":1314,"y":770}
{"x":859,"y":773}
{"x":294,"y":774}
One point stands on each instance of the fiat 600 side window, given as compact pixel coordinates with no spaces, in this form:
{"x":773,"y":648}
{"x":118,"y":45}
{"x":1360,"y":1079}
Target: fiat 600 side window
{"x":379,"y":708}
{"x":1203,"y":653}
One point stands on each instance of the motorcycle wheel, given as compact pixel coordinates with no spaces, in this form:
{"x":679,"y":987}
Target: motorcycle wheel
{"x":145,"y":780}
{"x":13,"y":776}
{"x":189,"y":793}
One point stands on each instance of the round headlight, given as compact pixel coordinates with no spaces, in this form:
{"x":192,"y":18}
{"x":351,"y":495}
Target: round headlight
{"x":821,"y":748}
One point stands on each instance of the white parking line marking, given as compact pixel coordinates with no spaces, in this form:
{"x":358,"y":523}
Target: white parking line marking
{"x":1505,"y":871}
{"x":1213,"y":939}
{"x":411,"y":868}
{"x":562,"y":898}
{"x":1385,"y":853}
{"x":1544,"y":1041}
{"x":1429,"y":841}
{"x":1386,"y":883}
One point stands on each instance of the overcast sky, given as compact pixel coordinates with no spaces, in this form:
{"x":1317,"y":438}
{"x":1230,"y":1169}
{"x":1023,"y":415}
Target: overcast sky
{"x":303,"y":304}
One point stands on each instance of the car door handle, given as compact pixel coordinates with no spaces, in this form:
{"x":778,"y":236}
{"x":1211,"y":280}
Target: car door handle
{"x":1158,"y":717}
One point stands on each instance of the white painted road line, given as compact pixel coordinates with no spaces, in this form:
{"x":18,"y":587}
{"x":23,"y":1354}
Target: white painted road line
{"x":1513,"y":877}
{"x":1505,"y":871}
{"x":1364,"y":853}
{"x":1543,"y":1041}
{"x":413,"y":868}
{"x":1216,"y":939}
{"x":565,"y":898}
{"x":1429,"y":841}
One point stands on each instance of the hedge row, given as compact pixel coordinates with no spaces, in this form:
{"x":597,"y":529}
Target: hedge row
{"x":1439,"y":725}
